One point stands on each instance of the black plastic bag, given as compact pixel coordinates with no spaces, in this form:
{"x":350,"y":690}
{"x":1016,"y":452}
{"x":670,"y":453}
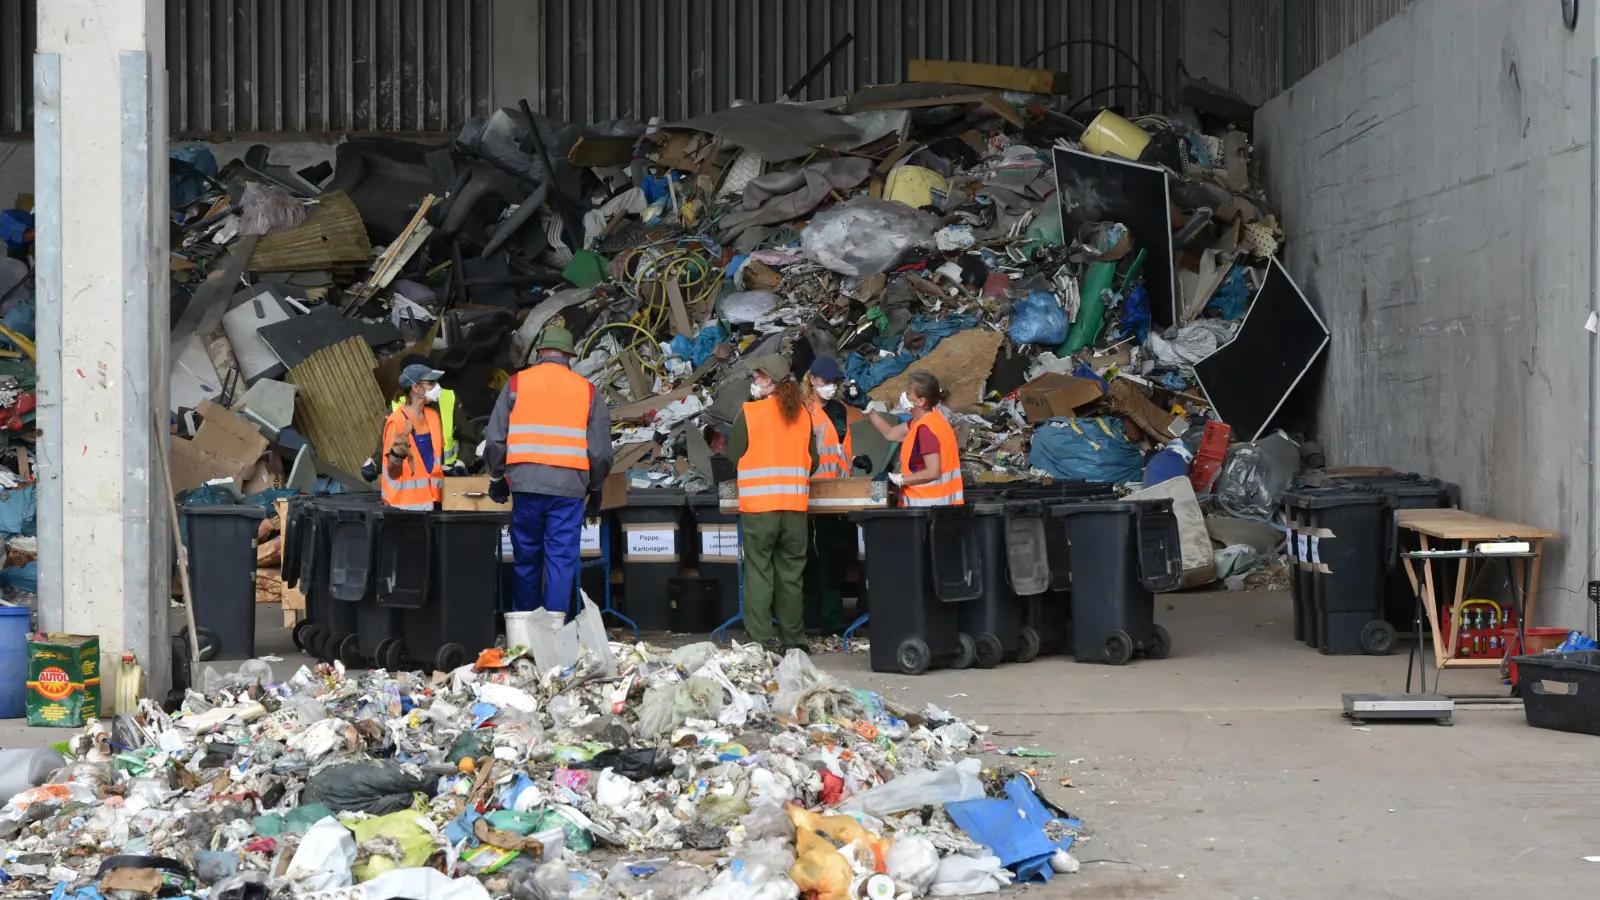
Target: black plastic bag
{"x":376,"y":789}
{"x":634,"y":765}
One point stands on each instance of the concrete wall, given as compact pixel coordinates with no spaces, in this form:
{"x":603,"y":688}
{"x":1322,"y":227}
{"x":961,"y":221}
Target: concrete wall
{"x":1434,"y":182}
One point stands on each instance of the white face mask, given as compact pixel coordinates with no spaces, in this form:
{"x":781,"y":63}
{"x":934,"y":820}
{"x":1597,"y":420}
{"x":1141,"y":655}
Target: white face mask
{"x":905,"y":403}
{"x":827,"y":391}
{"x":432,"y":396}
{"x":757,"y":391}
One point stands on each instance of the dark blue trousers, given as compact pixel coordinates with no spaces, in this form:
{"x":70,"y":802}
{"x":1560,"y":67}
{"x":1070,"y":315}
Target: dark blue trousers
{"x":545,"y":536}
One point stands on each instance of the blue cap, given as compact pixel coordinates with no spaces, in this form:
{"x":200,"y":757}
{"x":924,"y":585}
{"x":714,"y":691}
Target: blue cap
{"x":827,"y":368}
{"x":415,"y":372}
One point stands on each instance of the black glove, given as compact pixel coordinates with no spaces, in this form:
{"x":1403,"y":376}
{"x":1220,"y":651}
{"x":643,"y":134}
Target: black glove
{"x":591,"y":507}
{"x":863,"y":462}
{"x":369,"y":471}
{"x":499,"y":490}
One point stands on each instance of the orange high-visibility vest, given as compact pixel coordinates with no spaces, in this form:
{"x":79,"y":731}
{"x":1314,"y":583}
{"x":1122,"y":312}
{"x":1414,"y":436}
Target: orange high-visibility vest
{"x":775,"y":472}
{"x":833,"y":455}
{"x":946,"y":489}
{"x":416,"y":488}
{"x":550,"y":420}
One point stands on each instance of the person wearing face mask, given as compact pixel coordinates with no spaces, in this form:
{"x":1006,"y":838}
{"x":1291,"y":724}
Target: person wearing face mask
{"x":413,"y":438}
{"x":445,"y":401}
{"x":774,"y":450}
{"x":930,"y":457}
{"x":832,"y":538}
{"x":547,"y":447}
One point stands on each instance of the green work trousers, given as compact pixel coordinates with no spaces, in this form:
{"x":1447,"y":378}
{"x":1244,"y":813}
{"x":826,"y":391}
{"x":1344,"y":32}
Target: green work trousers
{"x":833,"y":545}
{"x":774,"y":571}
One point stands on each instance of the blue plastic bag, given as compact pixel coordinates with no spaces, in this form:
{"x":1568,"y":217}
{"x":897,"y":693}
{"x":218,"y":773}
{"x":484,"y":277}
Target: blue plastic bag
{"x":1090,"y":449}
{"x":1136,"y":315}
{"x":1038,"y":319}
{"x":1578,"y":641}
{"x":1232,"y":297}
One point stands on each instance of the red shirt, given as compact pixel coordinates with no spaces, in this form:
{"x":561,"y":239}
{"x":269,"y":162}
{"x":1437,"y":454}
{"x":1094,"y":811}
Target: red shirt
{"x":925,"y":444}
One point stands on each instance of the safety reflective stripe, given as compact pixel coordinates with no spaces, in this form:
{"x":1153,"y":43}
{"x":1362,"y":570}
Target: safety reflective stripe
{"x":412,"y":484}
{"x":547,"y":449}
{"x":552,"y":430}
{"x":946,"y":478}
{"x":774,"y":472}
{"x":831,"y":467}
{"x":764,"y":489}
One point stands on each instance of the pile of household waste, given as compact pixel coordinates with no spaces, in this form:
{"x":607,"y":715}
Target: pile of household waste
{"x":1096,"y":291}
{"x":721,"y":773}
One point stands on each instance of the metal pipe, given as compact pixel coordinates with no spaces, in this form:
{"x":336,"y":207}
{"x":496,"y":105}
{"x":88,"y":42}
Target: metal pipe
{"x":1592,"y":544}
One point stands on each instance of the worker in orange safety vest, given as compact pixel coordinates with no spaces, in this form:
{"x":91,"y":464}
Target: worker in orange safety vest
{"x":832,"y":538}
{"x":930,"y":456}
{"x":774,"y":450}
{"x":413,"y":465}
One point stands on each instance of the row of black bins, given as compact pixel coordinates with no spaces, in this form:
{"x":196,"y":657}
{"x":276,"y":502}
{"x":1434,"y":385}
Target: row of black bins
{"x":1349,"y":592}
{"x":1013,"y":574}
{"x":392,"y":587}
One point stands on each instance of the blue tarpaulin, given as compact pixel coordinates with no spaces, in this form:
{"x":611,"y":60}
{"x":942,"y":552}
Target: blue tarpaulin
{"x":19,"y":511}
{"x":1089,"y":449}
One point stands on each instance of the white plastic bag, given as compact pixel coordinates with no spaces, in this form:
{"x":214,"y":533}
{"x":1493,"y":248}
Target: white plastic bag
{"x":323,"y":860}
{"x":962,"y":875}
{"x":615,"y":792}
{"x":866,"y":235}
{"x":913,"y":863}
{"x":924,"y":787}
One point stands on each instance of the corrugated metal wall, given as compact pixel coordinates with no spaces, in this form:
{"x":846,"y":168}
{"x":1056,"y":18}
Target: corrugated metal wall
{"x":326,"y":65}
{"x":1275,"y":43}
{"x":607,"y":59}
{"x":1329,"y":26}
{"x":297,"y":65}
{"x":17,"y":36}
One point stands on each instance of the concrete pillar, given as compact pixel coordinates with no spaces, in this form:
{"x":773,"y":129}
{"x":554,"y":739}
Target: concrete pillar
{"x":101,"y":192}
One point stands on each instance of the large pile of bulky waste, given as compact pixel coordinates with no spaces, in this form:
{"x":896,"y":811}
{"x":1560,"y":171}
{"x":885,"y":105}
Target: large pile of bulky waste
{"x":701,"y":772}
{"x":1096,"y":292}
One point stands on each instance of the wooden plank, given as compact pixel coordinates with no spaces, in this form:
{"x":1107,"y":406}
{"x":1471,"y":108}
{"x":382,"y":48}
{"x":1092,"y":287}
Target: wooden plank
{"x":1458,"y":524}
{"x":333,"y":233}
{"x":339,"y":407}
{"x":1006,"y":78}
{"x":592,"y":151}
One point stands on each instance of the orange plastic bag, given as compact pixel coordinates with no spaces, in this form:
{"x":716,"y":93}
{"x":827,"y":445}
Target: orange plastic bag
{"x":820,"y":870}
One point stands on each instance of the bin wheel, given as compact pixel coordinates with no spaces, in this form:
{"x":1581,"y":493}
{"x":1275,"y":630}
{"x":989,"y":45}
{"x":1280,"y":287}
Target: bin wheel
{"x":311,"y":639}
{"x":348,"y":651}
{"x":328,"y":649}
{"x":966,"y":652}
{"x":989,"y":651}
{"x":450,"y":657}
{"x":1377,"y":638}
{"x":394,"y":655}
{"x":380,"y":651}
{"x":1118,"y":648}
{"x":1027,"y":644}
{"x":1160,"y":644}
{"x":299,"y":633}
{"x":209,"y":642}
{"x":913,"y":656}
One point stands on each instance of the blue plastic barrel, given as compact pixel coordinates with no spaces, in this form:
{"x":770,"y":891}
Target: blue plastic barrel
{"x":15,"y":623}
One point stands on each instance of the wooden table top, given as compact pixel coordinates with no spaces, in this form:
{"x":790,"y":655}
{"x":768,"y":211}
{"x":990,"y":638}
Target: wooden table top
{"x":1458,"y":524}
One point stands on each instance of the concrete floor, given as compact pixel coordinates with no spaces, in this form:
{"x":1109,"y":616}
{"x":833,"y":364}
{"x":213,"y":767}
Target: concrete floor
{"x":1226,"y":771}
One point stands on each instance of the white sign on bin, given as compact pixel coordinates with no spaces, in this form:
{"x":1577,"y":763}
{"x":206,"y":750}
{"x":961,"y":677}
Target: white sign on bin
{"x":589,"y":540}
{"x":660,"y":542}
{"x":718,"y":541}
{"x":861,"y":542}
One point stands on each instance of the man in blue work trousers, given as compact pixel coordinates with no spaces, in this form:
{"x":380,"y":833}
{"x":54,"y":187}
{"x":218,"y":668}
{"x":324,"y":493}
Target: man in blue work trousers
{"x":547,"y":448}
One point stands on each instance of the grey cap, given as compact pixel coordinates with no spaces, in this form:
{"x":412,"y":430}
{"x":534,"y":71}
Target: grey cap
{"x":776,"y":367}
{"x":414,"y":373}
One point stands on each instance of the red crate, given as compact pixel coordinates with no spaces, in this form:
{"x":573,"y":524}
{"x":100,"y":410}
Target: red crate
{"x":1208,"y":461}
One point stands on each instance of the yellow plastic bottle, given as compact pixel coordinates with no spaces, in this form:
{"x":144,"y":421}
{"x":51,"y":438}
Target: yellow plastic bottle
{"x":130,"y":685}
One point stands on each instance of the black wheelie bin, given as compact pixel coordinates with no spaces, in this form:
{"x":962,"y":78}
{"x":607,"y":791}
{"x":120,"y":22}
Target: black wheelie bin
{"x":1122,"y":552}
{"x":402,"y":567}
{"x":221,"y":545}
{"x":1339,"y":543}
{"x":922,"y":564}
{"x":452,"y":620}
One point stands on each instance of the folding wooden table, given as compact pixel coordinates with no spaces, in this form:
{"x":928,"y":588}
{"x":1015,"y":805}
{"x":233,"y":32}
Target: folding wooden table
{"x":1456,"y":532}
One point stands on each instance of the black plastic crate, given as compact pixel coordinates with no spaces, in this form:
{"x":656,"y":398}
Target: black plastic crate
{"x":1561,"y":691}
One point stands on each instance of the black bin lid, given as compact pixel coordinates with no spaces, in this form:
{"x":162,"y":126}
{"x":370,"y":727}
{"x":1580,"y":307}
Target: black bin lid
{"x":248,"y":512}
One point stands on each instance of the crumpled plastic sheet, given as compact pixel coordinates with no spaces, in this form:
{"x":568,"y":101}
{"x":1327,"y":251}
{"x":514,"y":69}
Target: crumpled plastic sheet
{"x":1191,"y":343}
{"x":866,"y":235}
{"x":1254,"y":475}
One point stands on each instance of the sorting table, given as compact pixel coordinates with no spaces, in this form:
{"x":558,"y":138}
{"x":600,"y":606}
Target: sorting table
{"x":1448,"y":535}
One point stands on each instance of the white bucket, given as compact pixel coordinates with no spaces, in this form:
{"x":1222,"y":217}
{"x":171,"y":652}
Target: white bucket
{"x":519,"y":629}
